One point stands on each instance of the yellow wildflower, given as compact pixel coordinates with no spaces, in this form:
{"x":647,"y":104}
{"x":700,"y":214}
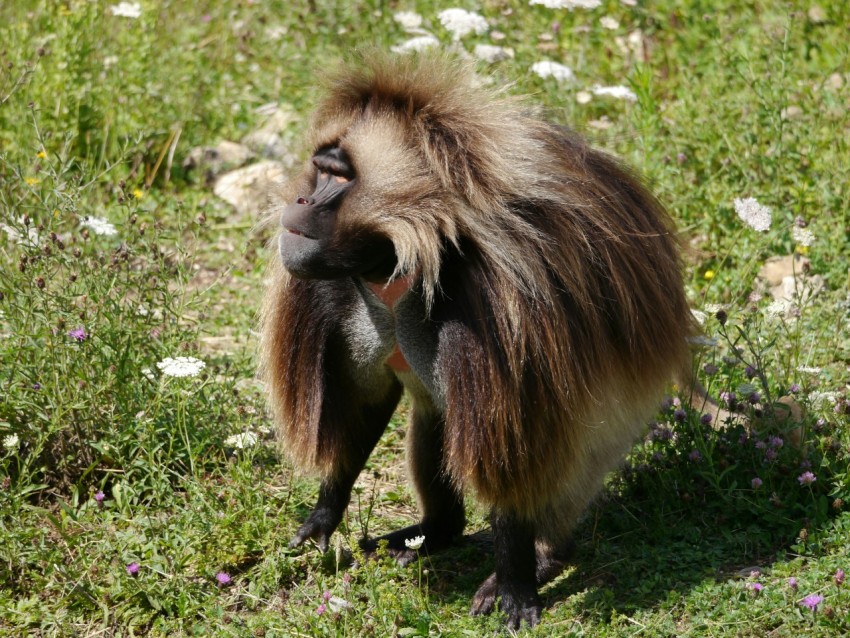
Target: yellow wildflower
{"x":708,"y":275}
{"x":41,"y":155}
{"x":801,"y":250}
{"x":32,"y":181}
{"x":138,"y":193}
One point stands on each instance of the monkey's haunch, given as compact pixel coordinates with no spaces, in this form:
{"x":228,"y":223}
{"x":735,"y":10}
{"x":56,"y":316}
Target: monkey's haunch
{"x":534,"y":314}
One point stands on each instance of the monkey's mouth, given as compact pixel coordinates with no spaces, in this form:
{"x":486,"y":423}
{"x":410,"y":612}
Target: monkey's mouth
{"x":295,"y":231}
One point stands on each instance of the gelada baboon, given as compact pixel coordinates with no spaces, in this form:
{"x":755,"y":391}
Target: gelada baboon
{"x":524,"y":288}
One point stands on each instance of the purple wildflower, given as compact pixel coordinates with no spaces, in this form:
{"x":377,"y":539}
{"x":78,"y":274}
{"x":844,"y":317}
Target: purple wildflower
{"x":807,"y":478}
{"x":99,"y":496}
{"x":760,"y":445}
{"x":680,"y":415}
{"x":839,"y":577}
{"x":755,"y":587}
{"x":750,"y":371}
{"x":728,"y":399}
{"x":133,"y":568}
{"x":79,"y":334}
{"x":36,"y":386}
{"x":776,"y":441}
{"x":327,"y":595}
{"x":754,"y":398}
{"x":695,"y":456}
{"x":795,"y":388}
{"x":705,"y":419}
{"x":756,"y":483}
{"x":792,"y":583}
{"x":223,"y":578}
{"x":812,"y":601}
{"x":321,"y":609}
{"x":770,"y":454}
{"x":710,"y":369}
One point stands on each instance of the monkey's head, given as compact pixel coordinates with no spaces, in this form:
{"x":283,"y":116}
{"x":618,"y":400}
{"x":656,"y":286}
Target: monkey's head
{"x":313,"y":243}
{"x":409,"y":157}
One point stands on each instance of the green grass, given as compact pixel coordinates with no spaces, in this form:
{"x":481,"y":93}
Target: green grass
{"x":734,"y":100}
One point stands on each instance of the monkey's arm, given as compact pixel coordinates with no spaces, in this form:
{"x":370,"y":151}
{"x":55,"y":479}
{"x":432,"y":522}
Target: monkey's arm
{"x":332,"y":404}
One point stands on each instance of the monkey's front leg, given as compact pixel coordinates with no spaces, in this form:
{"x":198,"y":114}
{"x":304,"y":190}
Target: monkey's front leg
{"x":334,"y":494}
{"x":515,"y":580}
{"x":335,"y":490}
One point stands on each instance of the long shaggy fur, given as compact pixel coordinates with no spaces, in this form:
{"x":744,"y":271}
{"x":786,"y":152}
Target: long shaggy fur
{"x":551,"y":272}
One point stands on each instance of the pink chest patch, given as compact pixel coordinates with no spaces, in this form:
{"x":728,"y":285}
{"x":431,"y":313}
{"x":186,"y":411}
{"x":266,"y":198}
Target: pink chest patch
{"x":390,"y":294}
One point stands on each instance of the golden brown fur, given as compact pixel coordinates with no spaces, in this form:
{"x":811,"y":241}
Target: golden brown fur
{"x":549,"y":271}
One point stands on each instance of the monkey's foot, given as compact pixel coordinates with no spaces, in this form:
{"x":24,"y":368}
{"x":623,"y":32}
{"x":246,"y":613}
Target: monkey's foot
{"x":518,"y":604}
{"x":437,"y":537}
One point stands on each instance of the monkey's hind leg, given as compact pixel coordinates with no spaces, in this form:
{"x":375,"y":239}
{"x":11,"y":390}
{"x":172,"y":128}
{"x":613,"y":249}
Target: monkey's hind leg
{"x":335,"y":489}
{"x":443,"y":517}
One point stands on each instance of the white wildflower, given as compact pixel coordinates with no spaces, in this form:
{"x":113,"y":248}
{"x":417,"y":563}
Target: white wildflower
{"x":181,"y":366}
{"x":808,"y":369}
{"x":462,"y":22}
{"x":148,"y":374}
{"x":777,"y":308}
{"x":753,"y":214}
{"x":583,"y":97}
{"x":415,"y":542}
{"x":409,"y":20}
{"x":608,"y":22}
{"x":242,"y":440}
{"x":492,"y":53}
{"x":618,"y":92}
{"x":31,"y":237}
{"x":629,"y":3}
{"x":337,"y":604}
{"x":803,"y":236}
{"x":126,"y":10}
{"x":419,"y":43}
{"x":700,"y":316}
{"x":713,"y":308}
{"x":822,"y":399}
{"x":546,"y":69}
{"x":11,"y":442}
{"x":99,"y":226}
{"x":700,"y":340}
{"x":568,"y":4}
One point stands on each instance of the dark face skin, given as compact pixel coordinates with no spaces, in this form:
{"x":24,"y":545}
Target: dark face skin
{"x":311,"y":245}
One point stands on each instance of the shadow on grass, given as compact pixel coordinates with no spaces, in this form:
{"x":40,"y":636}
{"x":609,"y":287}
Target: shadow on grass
{"x":631,"y":553}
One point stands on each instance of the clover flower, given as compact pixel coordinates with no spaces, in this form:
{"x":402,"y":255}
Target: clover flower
{"x":549,"y":69}
{"x":753,"y":214}
{"x":99,"y":226}
{"x":756,"y":588}
{"x":415,"y":542}
{"x":705,"y":419}
{"x":78,"y":334}
{"x":99,"y":496}
{"x":223,"y":578}
{"x":756,"y":483}
{"x":695,"y":456}
{"x":181,"y":366}
{"x":461,"y":22}
{"x":126,"y":10}
{"x":792,"y":583}
{"x":812,"y":601}
{"x":133,"y":568}
{"x":321,"y":609}
{"x":807,"y":478}
{"x":838,"y":578}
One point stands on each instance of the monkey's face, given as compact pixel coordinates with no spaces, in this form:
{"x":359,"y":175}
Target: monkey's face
{"x":315,"y":243}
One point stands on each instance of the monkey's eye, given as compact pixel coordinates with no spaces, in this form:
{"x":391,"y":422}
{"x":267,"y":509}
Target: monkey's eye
{"x":339,"y":179}
{"x":333,"y":163}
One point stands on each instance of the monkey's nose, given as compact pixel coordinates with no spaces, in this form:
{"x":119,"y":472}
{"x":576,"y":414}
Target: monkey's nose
{"x":303,"y":201}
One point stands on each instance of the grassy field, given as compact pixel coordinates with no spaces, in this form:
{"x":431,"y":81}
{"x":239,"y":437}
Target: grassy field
{"x":135,"y":502}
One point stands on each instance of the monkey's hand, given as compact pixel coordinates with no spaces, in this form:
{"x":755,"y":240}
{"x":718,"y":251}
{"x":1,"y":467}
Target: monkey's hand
{"x":325,"y":517}
{"x":519,"y":605}
{"x":319,"y":526}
